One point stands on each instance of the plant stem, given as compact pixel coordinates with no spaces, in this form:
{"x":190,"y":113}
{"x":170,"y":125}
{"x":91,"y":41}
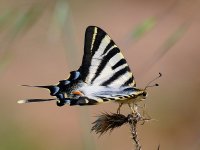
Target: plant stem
{"x":133,"y":120}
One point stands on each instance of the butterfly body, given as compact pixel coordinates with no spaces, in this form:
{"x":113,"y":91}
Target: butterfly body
{"x":103,"y":76}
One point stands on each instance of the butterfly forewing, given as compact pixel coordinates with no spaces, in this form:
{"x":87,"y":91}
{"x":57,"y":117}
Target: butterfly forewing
{"x":103,"y":64}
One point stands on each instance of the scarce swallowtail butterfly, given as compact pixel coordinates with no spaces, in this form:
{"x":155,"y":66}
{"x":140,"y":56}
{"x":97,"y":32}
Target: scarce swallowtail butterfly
{"x":104,"y":76}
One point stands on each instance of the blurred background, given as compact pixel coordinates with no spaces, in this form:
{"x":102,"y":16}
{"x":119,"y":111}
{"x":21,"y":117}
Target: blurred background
{"x":41,"y":41}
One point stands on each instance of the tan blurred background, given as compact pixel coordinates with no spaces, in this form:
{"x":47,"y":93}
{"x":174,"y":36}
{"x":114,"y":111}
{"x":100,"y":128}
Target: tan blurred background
{"x":42,"y":41}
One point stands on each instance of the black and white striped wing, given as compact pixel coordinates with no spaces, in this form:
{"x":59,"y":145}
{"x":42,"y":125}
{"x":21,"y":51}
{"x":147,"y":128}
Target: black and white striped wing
{"x":103,"y":64}
{"x":104,"y":70}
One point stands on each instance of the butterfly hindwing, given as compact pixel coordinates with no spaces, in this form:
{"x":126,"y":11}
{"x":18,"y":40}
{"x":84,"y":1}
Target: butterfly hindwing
{"x":103,"y":64}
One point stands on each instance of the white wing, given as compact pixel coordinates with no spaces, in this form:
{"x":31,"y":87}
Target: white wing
{"x":103,"y":64}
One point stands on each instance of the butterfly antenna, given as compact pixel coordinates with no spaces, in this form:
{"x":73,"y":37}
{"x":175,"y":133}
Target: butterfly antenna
{"x":148,"y":84}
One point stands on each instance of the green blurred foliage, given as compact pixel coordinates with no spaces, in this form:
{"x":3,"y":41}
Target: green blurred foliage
{"x":144,"y":27}
{"x":6,"y":17}
{"x":25,"y":19}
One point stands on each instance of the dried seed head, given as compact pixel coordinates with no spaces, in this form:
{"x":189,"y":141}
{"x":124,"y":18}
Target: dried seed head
{"x":107,"y":122}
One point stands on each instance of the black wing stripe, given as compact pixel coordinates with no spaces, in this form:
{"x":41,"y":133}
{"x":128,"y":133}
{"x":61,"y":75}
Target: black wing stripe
{"x":106,"y":59}
{"x":115,"y":76}
{"x":119,"y":63}
{"x":129,"y":81}
{"x":103,"y":98}
{"x":108,"y":46}
{"x":97,"y":41}
{"x":86,"y":62}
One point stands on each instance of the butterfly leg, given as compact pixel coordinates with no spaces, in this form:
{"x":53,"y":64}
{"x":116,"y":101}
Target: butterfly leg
{"x":133,"y":108}
{"x":118,"y":109}
{"x":145,"y":115}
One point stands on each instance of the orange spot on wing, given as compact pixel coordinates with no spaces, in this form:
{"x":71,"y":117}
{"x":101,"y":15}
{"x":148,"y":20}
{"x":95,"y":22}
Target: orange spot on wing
{"x":77,"y":93}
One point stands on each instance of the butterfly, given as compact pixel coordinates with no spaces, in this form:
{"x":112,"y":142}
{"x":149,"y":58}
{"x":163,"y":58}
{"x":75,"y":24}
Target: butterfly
{"x":104,"y":76}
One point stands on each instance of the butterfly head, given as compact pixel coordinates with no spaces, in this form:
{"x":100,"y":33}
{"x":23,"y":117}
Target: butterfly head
{"x":141,"y":94}
{"x":144,"y":94}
